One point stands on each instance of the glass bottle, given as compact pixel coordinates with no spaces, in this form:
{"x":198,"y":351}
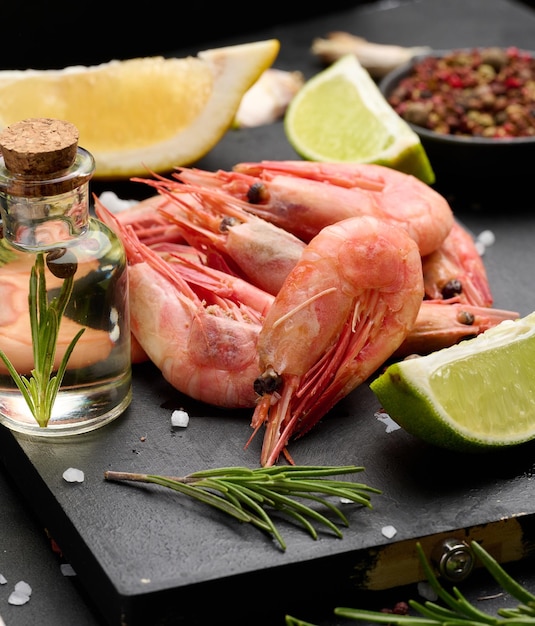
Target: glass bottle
{"x":44,"y":206}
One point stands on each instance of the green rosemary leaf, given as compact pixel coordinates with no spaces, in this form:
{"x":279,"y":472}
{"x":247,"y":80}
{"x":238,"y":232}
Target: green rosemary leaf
{"x":288,"y":505}
{"x":521,"y":612}
{"x":292,"y":621}
{"x":199,"y":494}
{"x":221,"y":471}
{"x":456,"y":602}
{"x":335,"y":510}
{"x":340,"y":489}
{"x":378,"y":617}
{"x":254,"y":492}
{"x":302,"y":520}
{"x":443,"y":615}
{"x":19,"y":380}
{"x":298,"y":472}
{"x":460,"y":613}
{"x":260,"y":518}
{"x":502,"y":577}
{"x":41,"y":389}
{"x":67,"y":356}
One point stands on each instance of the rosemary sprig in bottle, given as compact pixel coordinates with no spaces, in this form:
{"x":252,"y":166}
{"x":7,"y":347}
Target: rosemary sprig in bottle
{"x":457,"y":610}
{"x":41,"y":388}
{"x":249,"y":494}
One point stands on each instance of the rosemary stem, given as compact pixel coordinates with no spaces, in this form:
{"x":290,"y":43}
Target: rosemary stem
{"x":143,"y":478}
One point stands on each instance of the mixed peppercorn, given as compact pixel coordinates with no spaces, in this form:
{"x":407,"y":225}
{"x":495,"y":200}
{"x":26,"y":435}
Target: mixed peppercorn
{"x":486,"y":92}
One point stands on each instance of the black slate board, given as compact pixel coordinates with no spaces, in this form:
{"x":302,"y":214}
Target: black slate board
{"x":140,"y":550}
{"x":148,"y":556}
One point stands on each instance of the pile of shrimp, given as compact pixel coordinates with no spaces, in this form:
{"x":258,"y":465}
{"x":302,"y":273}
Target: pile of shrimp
{"x":281,"y":286}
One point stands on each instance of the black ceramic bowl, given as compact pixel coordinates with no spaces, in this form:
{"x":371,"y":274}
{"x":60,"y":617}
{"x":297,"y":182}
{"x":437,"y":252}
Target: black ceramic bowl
{"x":474,"y":167}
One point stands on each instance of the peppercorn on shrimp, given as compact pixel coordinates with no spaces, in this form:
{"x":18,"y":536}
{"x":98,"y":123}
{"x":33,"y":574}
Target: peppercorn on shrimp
{"x":342,"y":311}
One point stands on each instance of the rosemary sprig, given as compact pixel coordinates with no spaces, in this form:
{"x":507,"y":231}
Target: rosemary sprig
{"x":458,"y":611}
{"x":41,"y":388}
{"x":249,"y":494}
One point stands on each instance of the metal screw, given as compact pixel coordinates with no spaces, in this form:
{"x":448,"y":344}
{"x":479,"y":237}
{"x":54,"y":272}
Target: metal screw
{"x":454,"y":559}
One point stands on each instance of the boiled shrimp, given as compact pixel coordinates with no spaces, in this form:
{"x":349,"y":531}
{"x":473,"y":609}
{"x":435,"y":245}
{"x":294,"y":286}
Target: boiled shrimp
{"x":343,"y":310}
{"x":303,"y":197}
{"x":201,"y":335}
{"x":231,"y":238}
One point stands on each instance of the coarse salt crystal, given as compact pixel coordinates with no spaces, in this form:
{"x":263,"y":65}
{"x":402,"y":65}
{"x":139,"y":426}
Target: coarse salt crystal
{"x":21,"y":594}
{"x":391,"y":426}
{"x":73,"y":475}
{"x":67,"y":569}
{"x":180,"y":418}
{"x":426,"y":591}
{"x":115,"y":204}
{"x":388,"y":531}
{"x":480,"y":248}
{"x":487,"y":238}
{"x":3,"y":580}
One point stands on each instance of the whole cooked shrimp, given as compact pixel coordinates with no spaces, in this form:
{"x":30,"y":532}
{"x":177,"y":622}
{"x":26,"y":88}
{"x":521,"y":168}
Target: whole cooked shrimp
{"x":456,"y":269}
{"x":231,"y":238}
{"x":202,"y":334}
{"x":303,"y":197}
{"x":343,"y":310}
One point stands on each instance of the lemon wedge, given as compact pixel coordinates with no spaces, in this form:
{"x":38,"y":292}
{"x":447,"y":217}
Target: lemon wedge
{"x":150,"y":113}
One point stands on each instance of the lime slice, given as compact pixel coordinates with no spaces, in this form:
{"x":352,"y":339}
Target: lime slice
{"x":340,"y":115}
{"x":476,"y":395}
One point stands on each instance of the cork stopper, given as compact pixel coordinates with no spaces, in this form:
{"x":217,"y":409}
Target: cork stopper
{"x":39,"y":146}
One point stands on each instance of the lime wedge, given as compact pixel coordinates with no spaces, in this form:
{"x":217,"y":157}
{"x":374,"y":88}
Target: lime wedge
{"x":476,"y":395}
{"x":340,"y":115}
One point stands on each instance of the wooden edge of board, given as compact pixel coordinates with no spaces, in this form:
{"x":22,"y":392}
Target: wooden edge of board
{"x":397,"y":564}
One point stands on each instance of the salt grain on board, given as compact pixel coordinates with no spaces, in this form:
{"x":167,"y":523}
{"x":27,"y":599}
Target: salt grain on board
{"x":3,"y":580}
{"x":388,"y":531}
{"x":180,"y":418}
{"x":484,"y":240}
{"x":21,"y":594}
{"x":73,"y":475}
{"x":115,"y":204}
{"x":391,"y":426}
{"x":426,"y":591}
{"x":67,"y":569}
